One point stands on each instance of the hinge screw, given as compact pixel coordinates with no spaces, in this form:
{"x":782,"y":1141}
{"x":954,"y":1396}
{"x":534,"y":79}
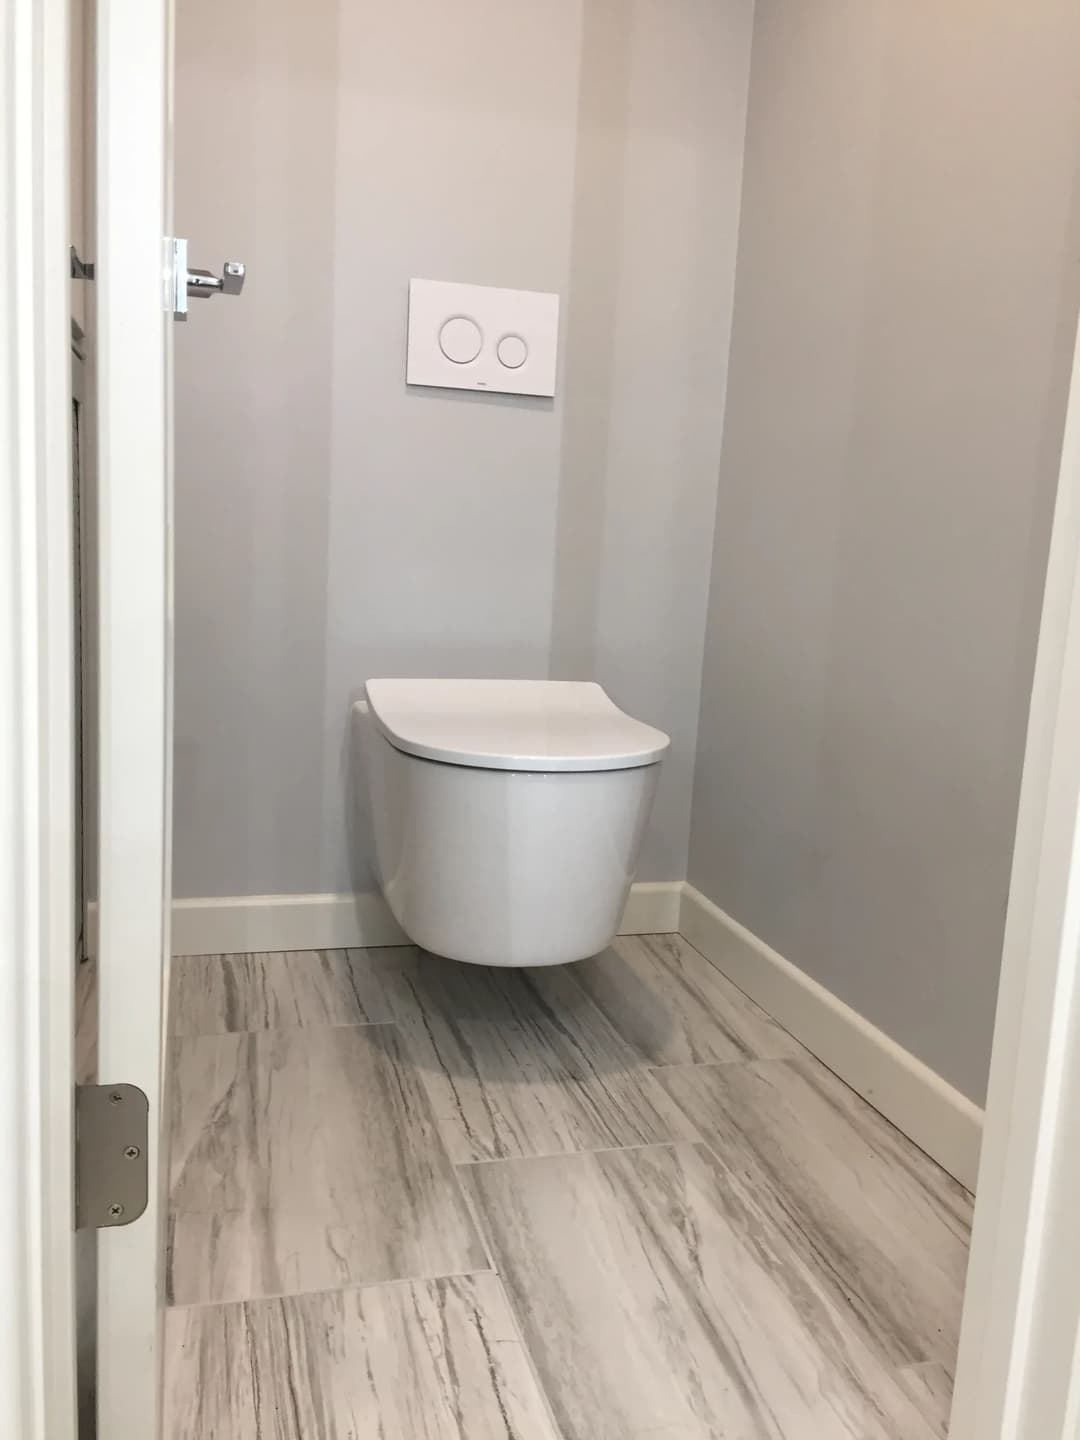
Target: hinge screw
{"x":115,"y":1211}
{"x":132,"y":1152}
{"x":115,"y":1098}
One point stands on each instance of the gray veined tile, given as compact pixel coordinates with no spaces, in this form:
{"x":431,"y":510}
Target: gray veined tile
{"x":213,"y":994}
{"x":885,"y":1228}
{"x":435,"y":1360}
{"x":656,"y":1303}
{"x":931,"y":1388}
{"x":305,"y":1159}
{"x":520,"y":1062}
{"x":674,"y":1007}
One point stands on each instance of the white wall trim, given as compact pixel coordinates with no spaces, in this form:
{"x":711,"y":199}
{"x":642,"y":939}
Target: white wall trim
{"x":133,"y":428}
{"x":239,"y":924}
{"x":942,"y":1121}
{"x":653,"y":908}
{"x":37,"y":935}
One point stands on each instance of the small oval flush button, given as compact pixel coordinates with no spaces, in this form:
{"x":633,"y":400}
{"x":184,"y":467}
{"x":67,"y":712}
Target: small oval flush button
{"x":460,"y":339}
{"x":512,"y":352}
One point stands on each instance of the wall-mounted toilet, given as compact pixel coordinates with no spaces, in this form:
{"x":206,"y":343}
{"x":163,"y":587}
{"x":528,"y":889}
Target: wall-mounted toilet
{"x":507,"y":814}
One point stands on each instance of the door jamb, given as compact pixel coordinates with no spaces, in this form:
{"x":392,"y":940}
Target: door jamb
{"x":37,"y":929}
{"x":1016,"y":1374}
{"x":132,"y":359}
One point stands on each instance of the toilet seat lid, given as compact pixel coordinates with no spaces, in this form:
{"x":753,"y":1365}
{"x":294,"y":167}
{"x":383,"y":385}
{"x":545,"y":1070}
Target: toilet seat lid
{"x":512,"y":724}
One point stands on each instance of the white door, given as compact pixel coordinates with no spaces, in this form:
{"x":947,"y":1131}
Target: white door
{"x":142,"y":281}
{"x":133,"y":336}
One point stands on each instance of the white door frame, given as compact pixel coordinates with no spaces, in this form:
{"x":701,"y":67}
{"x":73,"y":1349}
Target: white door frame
{"x":37,"y":930}
{"x":1017,"y":1376}
{"x":134,"y":663}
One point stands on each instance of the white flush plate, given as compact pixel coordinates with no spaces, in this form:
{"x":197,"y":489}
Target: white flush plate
{"x":476,"y":337}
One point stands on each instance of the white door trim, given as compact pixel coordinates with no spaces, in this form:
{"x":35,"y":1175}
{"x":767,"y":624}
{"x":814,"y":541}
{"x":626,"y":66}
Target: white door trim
{"x":1015,"y":1376}
{"x":133,"y":135}
{"x":37,"y":933}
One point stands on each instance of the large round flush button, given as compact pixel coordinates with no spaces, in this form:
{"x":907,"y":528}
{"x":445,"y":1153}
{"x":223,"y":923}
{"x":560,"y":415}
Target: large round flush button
{"x":512,"y":352}
{"x":460,"y":339}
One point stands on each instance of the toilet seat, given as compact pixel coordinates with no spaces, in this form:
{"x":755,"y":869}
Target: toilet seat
{"x":523,"y":725}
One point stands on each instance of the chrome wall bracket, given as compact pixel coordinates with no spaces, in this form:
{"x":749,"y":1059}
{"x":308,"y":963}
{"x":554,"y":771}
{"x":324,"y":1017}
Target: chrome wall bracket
{"x":111,"y":1174}
{"x":186,"y":282}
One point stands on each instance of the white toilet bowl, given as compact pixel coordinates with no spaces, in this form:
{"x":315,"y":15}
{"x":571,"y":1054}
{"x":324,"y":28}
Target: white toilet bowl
{"x":507,"y":814}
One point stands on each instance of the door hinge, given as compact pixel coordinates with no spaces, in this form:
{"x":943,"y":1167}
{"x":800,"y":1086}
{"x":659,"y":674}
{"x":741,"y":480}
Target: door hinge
{"x":80,"y":269}
{"x":111,"y":1175}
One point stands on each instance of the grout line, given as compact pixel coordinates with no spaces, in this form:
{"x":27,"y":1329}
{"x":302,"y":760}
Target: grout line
{"x":925,"y":1365}
{"x":530,"y":1359}
{"x":467,"y":1199}
{"x":330,"y":1290}
{"x":281,"y":1029}
{"x":511,"y":1309}
{"x":717,"y":1064}
{"x":259,"y":954}
{"x":723,"y":1064}
{"x":567,"y":1154}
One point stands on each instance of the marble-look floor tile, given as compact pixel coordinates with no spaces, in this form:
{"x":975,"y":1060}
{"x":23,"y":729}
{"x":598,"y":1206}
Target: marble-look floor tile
{"x":305,"y":1159}
{"x":436,"y":1360}
{"x":656,"y":1302}
{"x":213,"y":994}
{"x":884,"y":1227}
{"x":673,"y":1007}
{"x":931,"y":1388}
{"x":520,"y":1062}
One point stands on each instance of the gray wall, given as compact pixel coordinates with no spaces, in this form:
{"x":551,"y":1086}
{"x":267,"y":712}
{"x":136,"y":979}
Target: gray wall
{"x":331,"y":524}
{"x":659,"y":168}
{"x":906,"y":297}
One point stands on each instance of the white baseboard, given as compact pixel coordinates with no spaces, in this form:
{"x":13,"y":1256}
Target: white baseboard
{"x":237,"y":924}
{"x":243,"y":924}
{"x":940,"y":1120}
{"x":653,"y":908}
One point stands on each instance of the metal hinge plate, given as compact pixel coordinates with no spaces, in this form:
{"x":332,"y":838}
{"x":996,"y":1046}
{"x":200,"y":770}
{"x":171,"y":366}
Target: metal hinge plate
{"x":111,"y":1177}
{"x":80,"y":269}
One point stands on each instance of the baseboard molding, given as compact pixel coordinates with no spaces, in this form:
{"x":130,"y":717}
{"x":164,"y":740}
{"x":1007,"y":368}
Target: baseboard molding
{"x":237,"y":924}
{"x":243,"y":924}
{"x":940,"y":1120}
{"x":653,"y":908}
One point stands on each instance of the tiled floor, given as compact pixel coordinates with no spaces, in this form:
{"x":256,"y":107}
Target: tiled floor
{"x":423,"y":1201}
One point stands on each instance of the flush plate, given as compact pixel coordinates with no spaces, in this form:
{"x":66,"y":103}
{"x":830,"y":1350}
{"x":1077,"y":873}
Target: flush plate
{"x":478,"y":337}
